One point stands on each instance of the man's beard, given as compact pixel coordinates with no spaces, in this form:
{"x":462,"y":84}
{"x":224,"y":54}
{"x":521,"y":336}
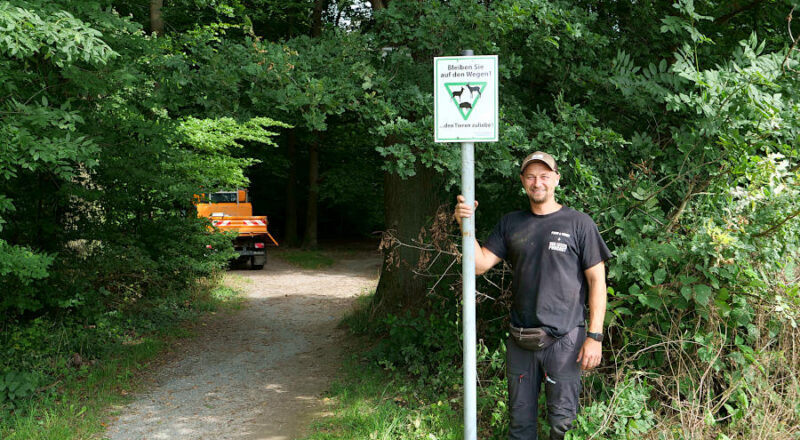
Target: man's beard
{"x":538,"y":199}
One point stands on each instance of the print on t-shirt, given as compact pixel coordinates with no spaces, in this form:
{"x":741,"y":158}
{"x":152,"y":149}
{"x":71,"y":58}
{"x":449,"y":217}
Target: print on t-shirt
{"x":558,"y":245}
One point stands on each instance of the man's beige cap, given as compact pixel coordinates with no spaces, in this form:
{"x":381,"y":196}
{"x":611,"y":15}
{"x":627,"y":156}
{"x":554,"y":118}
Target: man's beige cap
{"x":539,"y":156}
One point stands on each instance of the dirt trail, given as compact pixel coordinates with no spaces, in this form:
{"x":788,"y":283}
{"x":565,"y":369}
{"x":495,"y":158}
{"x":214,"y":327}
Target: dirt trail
{"x":257,"y":373}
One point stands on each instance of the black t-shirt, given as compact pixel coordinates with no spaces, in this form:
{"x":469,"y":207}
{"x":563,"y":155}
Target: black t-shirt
{"x":548,"y":254}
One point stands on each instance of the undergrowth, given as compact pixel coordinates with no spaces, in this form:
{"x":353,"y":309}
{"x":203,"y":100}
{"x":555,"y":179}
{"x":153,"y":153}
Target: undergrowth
{"x":370,"y":403}
{"x":407,"y":383}
{"x":59,"y":372}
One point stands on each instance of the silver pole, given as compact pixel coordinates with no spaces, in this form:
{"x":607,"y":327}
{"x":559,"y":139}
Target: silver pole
{"x":468,"y":271}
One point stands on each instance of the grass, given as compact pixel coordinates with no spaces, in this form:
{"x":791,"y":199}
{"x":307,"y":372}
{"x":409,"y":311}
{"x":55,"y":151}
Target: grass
{"x":359,"y":320}
{"x":77,"y":410}
{"x":76,"y":405}
{"x":307,"y":259}
{"x":222,"y":298}
{"x":368,"y":403}
{"x":373,"y":402}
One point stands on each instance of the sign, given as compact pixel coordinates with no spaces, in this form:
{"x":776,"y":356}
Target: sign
{"x":465,"y":99}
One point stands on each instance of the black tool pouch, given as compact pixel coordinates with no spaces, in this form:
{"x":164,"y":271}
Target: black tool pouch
{"x":533,"y":339}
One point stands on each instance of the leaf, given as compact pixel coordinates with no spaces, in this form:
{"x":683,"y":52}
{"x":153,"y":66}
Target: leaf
{"x":724,"y":308}
{"x":702,"y":294}
{"x":652,"y":300}
{"x":659,"y":276}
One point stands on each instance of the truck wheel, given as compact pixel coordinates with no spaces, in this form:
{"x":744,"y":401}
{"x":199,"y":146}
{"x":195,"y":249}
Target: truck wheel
{"x":259,"y":265}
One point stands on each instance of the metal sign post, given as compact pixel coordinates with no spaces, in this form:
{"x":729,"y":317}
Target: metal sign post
{"x":465,"y":111}
{"x":468,"y":291}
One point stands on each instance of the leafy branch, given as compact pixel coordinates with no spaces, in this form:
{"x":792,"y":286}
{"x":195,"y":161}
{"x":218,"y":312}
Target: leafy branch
{"x":777,"y":226}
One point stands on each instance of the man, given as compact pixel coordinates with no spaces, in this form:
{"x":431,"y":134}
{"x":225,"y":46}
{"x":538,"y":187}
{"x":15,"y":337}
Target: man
{"x":557,"y":256}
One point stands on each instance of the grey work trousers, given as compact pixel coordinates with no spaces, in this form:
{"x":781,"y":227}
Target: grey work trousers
{"x":555,"y":365}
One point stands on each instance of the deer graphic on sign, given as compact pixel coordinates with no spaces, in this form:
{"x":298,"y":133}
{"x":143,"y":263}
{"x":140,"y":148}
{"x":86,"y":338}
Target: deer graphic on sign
{"x":464,"y":105}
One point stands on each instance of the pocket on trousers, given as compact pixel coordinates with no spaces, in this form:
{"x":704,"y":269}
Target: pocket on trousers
{"x":563,"y":396}
{"x":518,"y":360}
{"x":519,"y":364}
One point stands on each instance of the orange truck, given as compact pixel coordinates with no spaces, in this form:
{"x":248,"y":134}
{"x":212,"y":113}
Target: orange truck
{"x":232,"y":211}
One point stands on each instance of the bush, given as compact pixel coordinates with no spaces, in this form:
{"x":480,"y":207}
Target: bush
{"x":626,"y":414}
{"x":424,"y":346}
{"x":16,"y":386}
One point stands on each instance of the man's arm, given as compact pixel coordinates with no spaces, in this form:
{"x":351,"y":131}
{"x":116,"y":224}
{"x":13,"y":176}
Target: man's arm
{"x":591,"y":352}
{"x":484,"y":258}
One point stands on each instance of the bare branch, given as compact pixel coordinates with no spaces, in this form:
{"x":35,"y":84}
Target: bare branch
{"x":794,"y":43}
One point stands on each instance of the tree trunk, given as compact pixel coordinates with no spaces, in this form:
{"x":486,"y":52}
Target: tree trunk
{"x":310,"y":237}
{"x":409,"y":206}
{"x":316,"y":18}
{"x":156,"y":23}
{"x":291,"y":193}
{"x":338,"y":17}
{"x":377,"y":5}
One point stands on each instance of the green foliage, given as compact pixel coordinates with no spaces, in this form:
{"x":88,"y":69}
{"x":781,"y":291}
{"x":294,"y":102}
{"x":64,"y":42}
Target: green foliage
{"x":213,"y":140}
{"x":680,"y":141}
{"x":421,"y":346}
{"x":313,"y":80}
{"x":674,"y":126}
{"x":39,"y":353}
{"x":58,"y":36}
{"x":514,"y":31}
{"x":94,"y":156}
{"x":630,"y":416}
{"x":21,"y":268}
{"x":39,"y":132}
{"x":217,"y":135}
{"x":17,"y":385}
{"x":68,"y":371}
{"x":369,"y":405}
{"x":101,"y":158}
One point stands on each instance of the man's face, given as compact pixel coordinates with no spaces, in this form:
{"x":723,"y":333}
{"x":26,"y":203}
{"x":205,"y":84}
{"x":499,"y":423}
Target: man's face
{"x":539,"y":182}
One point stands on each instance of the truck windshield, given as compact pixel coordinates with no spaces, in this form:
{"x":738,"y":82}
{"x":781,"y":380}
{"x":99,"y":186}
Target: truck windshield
{"x":223,"y":197}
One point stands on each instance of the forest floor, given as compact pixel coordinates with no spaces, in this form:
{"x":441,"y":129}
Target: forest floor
{"x":260,"y":372}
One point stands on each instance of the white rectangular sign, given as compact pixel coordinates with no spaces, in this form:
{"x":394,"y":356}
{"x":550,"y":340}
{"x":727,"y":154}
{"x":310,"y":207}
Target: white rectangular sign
{"x":465,"y":99}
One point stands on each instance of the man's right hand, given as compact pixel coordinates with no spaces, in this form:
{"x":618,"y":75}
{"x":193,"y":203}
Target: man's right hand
{"x":462,"y":209}
{"x":484,"y":258}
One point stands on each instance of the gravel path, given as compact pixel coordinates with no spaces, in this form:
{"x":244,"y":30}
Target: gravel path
{"x":257,"y":373}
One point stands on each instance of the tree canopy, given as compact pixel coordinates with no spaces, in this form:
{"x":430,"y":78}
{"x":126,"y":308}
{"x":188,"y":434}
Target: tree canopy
{"x":675,"y":126}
